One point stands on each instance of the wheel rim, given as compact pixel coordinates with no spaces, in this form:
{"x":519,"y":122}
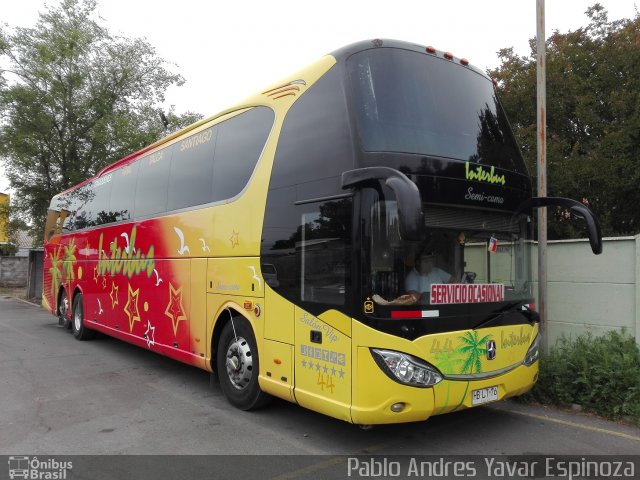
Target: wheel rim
{"x":239,"y":363}
{"x":77,"y":318}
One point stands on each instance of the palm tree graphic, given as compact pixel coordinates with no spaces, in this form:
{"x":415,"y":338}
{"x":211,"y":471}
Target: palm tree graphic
{"x":447,"y":362}
{"x":55,"y":272}
{"x":69,"y":260}
{"x":472,"y":348}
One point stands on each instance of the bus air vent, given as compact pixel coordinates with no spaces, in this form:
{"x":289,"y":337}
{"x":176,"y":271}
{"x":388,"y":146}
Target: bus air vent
{"x":291,"y":89}
{"x":467,"y":219}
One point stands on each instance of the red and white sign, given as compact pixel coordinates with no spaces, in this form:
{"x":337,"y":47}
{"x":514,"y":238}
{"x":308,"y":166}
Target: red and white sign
{"x":415,"y":313}
{"x":445,"y":293}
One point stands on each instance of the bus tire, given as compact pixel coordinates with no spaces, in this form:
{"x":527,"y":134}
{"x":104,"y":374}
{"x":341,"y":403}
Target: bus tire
{"x":80,"y":332}
{"x":63,"y":310}
{"x":238,"y":365}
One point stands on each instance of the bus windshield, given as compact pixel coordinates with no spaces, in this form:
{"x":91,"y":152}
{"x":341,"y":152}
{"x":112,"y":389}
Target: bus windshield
{"x":415,"y":103}
{"x":467,"y":257}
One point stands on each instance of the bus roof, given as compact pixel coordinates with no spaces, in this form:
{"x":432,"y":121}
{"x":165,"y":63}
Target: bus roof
{"x":340,"y":55}
{"x":345,"y":52}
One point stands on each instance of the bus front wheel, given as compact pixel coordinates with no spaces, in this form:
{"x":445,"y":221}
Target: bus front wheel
{"x":238,"y":365}
{"x":80,"y":332}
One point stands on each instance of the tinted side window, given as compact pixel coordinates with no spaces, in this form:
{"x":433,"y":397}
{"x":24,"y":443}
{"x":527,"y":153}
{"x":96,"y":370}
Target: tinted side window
{"x":315,"y":141}
{"x":65,"y":203}
{"x":309,"y":243}
{"x":324,"y":252}
{"x":307,"y":248}
{"x":77,"y":203}
{"x":238,"y":147}
{"x":191,"y":170}
{"x":153,"y":181}
{"x":87,"y":205}
{"x":102,"y":198}
{"x":83,"y":198}
{"x":123,"y":193}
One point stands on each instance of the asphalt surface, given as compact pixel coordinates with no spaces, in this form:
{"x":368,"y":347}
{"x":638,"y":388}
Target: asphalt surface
{"x":59,"y":396}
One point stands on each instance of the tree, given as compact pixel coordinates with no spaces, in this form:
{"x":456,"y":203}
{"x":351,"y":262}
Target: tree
{"x":73,"y":99}
{"x":593,"y":119}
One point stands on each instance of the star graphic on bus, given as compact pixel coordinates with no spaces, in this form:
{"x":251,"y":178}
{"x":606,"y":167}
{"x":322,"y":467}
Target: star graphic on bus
{"x":131,"y":308}
{"x":175,"y":310}
{"x":235,"y":239}
{"x":114,"y":295}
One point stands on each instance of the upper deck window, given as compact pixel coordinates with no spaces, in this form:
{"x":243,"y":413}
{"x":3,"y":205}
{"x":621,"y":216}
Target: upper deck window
{"x":208,"y":166}
{"x":416,"y":103}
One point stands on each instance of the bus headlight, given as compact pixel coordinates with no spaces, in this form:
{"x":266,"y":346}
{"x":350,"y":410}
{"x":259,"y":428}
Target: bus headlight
{"x":404,"y":368}
{"x":533,"y":353}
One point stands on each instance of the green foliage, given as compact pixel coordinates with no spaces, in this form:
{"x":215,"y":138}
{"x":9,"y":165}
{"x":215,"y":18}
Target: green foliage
{"x":73,"y":99}
{"x":8,"y":249}
{"x":600,"y":373}
{"x":13,"y":227}
{"x":593,"y":119}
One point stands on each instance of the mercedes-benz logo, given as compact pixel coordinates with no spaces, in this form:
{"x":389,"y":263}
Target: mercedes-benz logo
{"x":491,"y":350}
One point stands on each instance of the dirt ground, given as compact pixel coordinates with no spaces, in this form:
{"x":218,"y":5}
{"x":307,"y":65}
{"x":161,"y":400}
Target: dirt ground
{"x":17,"y":292}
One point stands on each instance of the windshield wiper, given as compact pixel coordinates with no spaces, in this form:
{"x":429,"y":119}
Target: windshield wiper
{"x":529,"y":314}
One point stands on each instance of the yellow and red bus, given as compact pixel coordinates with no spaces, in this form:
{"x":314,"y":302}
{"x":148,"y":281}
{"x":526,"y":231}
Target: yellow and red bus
{"x":282,"y":244}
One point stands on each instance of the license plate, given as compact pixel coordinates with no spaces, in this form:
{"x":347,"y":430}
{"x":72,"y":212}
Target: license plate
{"x":484,"y":395}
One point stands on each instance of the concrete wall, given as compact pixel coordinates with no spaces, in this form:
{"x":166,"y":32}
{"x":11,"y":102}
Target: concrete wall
{"x":593,"y":293}
{"x":586,"y":292}
{"x":14,"y":271}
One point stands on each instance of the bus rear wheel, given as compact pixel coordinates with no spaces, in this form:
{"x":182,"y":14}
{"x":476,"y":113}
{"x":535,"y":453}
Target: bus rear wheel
{"x":80,"y":332}
{"x":63,"y":310}
{"x":238,"y":365}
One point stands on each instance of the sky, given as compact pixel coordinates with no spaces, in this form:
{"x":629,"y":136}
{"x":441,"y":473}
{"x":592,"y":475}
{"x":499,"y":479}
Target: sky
{"x":229,"y":50}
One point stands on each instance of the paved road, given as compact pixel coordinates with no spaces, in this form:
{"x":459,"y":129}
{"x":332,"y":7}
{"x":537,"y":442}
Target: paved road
{"x":60,"y":396}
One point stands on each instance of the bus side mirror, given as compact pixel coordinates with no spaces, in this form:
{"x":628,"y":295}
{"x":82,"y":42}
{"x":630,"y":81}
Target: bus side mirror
{"x":407,"y":196}
{"x":579,"y":209}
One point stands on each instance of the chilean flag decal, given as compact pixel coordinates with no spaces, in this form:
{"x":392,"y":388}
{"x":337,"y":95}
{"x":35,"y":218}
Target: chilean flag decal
{"x":493,"y":244}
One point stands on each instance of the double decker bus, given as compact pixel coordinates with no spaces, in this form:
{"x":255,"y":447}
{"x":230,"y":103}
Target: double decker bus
{"x":356,"y":239}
